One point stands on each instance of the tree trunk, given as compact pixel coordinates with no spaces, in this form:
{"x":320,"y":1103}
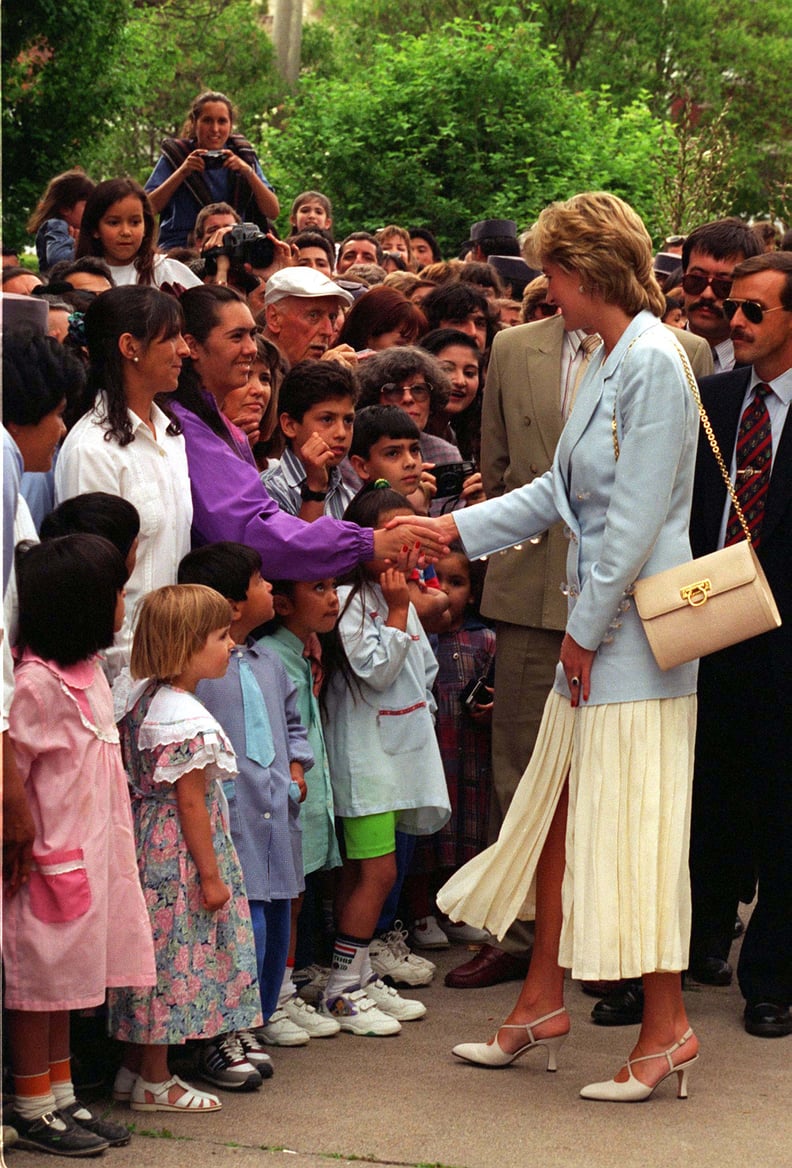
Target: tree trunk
{"x":287,"y":38}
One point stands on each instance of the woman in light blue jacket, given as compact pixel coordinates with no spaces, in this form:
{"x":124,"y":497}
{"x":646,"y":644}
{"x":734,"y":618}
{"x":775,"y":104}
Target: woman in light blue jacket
{"x":595,"y":844}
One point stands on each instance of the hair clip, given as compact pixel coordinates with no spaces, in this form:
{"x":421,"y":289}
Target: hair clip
{"x":77,"y":328}
{"x":380,"y":483}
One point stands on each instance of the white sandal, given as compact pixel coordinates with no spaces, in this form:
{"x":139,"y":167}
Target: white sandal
{"x":155,"y":1097}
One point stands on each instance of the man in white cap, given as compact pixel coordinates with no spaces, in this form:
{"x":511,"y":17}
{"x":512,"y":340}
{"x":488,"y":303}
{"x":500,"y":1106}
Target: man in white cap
{"x":301,"y":311}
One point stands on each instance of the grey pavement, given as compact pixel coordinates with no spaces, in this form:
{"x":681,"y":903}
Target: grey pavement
{"x":406,"y":1101}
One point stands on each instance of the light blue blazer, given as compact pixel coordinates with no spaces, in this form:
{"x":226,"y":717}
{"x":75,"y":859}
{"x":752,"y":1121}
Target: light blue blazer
{"x":625,"y":519}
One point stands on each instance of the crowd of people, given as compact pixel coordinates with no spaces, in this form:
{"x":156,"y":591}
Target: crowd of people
{"x":298,"y":535}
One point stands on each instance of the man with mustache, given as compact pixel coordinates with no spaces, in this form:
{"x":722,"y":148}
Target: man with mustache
{"x":709,"y":256}
{"x":742,"y":796}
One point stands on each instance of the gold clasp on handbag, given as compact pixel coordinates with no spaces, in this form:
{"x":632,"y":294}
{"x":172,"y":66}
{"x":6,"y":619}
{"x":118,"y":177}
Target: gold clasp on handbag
{"x":696,"y":594}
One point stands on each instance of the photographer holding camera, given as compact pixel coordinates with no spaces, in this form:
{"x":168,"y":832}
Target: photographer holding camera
{"x":209,"y":164}
{"x":244,"y":257}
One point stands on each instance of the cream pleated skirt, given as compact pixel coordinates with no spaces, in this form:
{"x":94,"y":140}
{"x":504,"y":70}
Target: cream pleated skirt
{"x":626,"y":890}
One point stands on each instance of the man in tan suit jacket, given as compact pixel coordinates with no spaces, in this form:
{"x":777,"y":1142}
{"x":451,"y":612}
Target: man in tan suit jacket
{"x":520,"y":427}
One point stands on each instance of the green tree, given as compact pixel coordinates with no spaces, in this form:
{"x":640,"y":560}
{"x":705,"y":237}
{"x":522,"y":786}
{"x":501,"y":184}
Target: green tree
{"x":60,"y":76}
{"x":446,"y":129}
{"x":726,"y":54}
{"x":99,"y":83}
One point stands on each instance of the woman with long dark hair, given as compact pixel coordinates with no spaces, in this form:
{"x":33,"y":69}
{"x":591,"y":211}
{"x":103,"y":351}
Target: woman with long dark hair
{"x":125,"y":443}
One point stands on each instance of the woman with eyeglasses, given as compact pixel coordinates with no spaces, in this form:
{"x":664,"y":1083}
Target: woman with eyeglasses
{"x":414,"y":381}
{"x":594,"y":846}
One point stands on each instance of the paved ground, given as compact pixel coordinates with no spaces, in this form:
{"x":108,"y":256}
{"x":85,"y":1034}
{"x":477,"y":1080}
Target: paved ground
{"x":405,"y":1101}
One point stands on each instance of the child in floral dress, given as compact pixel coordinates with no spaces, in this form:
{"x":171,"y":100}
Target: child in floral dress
{"x":175,"y":753}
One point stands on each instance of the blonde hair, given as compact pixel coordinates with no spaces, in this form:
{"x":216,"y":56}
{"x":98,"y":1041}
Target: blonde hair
{"x":390,"y":230}
{"x":173,"y":623}
{"x":601,"y":238}
{"x":442,"y":272}
{"x":404,"y":282}
{"x":534,"y":294}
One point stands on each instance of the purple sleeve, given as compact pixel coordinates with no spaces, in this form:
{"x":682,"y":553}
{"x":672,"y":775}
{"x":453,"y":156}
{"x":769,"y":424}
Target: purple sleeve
{"x":230,"y":502}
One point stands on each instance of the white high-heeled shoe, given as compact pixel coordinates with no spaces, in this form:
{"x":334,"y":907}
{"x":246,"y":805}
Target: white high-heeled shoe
{"x":492,"y":1054}
{"x":632,"y":1090}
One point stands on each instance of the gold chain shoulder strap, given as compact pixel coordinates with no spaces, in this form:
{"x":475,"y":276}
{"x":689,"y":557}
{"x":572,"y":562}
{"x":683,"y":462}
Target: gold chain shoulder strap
{"x":705,"y":422}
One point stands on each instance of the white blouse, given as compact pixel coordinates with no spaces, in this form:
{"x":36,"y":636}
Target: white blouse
{"x":151,"y":473}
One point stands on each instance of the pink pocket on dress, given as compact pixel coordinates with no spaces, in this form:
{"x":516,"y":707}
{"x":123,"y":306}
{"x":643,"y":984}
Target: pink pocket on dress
{"x":59,"y":888}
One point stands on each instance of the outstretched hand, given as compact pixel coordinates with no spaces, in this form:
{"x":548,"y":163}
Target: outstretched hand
{"x":408,"y":537}
{"x":435,"y":534}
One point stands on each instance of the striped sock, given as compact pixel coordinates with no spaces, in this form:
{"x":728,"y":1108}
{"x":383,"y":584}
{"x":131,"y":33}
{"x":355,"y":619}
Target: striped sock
{"x":349,"y":954}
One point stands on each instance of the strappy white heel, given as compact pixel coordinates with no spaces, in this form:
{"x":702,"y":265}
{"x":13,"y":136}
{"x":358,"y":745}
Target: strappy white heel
{"x":632,"y":1090}
{"x":492,"y":1054}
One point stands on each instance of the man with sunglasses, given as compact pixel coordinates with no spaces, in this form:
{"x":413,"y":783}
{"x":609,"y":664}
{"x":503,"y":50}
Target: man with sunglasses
{"x":709,"y":256}
{"x":742,"y":793}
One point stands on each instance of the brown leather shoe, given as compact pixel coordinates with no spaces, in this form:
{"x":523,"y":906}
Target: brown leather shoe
{"x":489,"y":967}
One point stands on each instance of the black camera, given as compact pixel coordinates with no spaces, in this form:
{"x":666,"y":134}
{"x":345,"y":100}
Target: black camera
{"x":245,"y":243}
{"x":476,"y":693}
{"x":213,"y":159}
{"x":450,"y":477}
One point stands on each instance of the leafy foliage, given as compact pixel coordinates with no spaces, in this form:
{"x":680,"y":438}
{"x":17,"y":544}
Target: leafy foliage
{"x":724,"y":55}
{"x":446,"y":129}
{"x":120,"y":78}
{"x":61,"y":69}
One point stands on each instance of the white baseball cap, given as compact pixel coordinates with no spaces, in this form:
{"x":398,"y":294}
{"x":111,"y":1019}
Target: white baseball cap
{"x":302,"y":281}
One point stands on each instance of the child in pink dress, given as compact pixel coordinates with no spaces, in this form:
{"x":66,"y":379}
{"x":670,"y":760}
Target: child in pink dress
{"x":61,"y":950}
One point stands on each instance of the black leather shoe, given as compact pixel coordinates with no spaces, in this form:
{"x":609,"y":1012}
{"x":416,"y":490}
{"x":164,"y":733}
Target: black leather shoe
{"x":768,"y":1020}
{"x":599,"y":989}
{"x":623,"y":1007}
{"x":489,"y":967}
{"x":711,"y":971}
{"x":58,"y":1134}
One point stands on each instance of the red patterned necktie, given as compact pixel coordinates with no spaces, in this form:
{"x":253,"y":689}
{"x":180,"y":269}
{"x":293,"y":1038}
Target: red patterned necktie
{"x":754,"y":461}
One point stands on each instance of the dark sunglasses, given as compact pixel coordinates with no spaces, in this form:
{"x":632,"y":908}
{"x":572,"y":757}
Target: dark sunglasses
{"x":750,"y":309}
{"x":394,"y":394}
{"x":695,"y":285}
{"x":546,"y":309}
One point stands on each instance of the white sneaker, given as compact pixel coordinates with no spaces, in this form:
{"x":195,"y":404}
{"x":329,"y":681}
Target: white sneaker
{"x":461,"y":934}
{"x":308,"y":1019}
{"x":357,"y":1014}
{"x":281,"y":1031}
{"x":311,"y":982}
{"x":427,"y":934}
{"x":392,"y":961}
{"x":387,"y":999}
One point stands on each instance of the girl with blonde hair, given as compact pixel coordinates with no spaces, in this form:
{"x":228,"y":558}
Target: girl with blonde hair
{"x":175,"y":753}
